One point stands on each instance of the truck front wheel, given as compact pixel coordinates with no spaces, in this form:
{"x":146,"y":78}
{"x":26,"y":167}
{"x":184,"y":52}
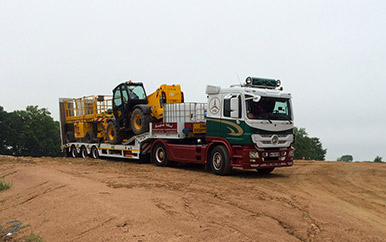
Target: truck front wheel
{"x":219,"y":161}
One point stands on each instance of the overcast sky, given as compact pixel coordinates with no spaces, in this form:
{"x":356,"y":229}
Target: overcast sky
{"x":331,"y":55}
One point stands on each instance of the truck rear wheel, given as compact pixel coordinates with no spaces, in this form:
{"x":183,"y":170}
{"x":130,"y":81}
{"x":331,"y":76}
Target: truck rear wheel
{"x":112,"y":134}
{"x":139,"y":121}
{"x":159,"y":155}
{"x":219,"y":161}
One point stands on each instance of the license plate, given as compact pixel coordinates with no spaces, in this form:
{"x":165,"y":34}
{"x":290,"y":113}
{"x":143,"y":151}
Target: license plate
{"x":274,"y":154}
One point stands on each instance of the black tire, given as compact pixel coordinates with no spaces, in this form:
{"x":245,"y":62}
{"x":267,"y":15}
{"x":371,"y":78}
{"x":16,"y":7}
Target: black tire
{"x":94,"y":152}
{"x":67,"y":152}
{"x":265,"y":171}
{"x":90,"y":137}
{"x":83,"y":152}
{"x":113,"y":136}
{"x":139,"y":122}
{"x":70,"y":137}
{"x":74,"y":152}
{"x":159,"y":155}
{"x":219,"y":161}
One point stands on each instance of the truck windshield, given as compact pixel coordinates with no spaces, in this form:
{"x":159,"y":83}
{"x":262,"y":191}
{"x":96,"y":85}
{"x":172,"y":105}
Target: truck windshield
{"x":136,"y":92}
{"x":268,"y":108}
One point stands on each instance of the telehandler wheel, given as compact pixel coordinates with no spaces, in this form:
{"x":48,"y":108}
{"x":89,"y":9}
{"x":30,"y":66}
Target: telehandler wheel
{"x":265,"y":171}
{"x":139,"y":122}
{"x":112,"y":134}
{"x":219,"y":161}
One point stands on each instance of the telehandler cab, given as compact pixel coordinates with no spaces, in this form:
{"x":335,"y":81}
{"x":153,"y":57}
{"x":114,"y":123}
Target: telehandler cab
{"x":130,"y":110}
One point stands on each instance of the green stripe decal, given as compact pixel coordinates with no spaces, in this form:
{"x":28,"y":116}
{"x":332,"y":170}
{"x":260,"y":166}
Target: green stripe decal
{"x":235,"y":129}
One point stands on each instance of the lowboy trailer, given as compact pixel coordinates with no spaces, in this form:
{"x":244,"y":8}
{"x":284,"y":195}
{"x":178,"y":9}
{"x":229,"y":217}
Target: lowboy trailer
{"x":249,"y":126}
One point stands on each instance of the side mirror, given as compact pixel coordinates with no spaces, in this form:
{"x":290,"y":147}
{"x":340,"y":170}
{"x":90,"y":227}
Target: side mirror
{"x":256,"y":99}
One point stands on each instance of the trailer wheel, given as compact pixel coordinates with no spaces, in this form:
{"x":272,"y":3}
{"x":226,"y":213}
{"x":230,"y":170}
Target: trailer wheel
{"x":139,"y":122}
{"x":83,"y":152}
{"x":159,"y":155}
{"x":94,"y":152}
{"x":74,"y":152}
{"x":265,"y":171}
{"x":67,"y":152}
{"x":112,"y":134}
{"x":219,"y":161}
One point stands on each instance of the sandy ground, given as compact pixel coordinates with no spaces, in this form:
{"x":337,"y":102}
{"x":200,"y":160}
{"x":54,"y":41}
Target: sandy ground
{"x":65,"y":199}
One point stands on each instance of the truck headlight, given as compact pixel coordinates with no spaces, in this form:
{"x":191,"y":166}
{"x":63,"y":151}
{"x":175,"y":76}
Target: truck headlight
{"x":291,"y":153}
{"x":253,"y":154}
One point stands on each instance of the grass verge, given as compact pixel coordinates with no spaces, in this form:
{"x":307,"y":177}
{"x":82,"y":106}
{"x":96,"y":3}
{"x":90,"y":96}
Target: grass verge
{"x":33,"y":238}
{"x":4,"y":185}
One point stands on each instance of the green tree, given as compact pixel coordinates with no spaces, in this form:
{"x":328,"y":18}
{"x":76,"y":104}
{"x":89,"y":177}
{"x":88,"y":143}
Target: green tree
{"x":32,"y":132}
{"x":3,"y":130}
{"x":346,"y":158}
{"x":378,"y":159}
{"x":308,"y":147}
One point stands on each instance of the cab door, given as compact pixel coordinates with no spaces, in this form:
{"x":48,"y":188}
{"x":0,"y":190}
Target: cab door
{"x":231,"y":125}
{"x":118,"y":105}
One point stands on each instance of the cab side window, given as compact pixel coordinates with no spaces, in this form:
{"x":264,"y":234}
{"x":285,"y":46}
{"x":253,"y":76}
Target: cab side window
{"x":227,"y":107}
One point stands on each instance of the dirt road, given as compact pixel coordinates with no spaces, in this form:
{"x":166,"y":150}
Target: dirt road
{"x":64,"y":199}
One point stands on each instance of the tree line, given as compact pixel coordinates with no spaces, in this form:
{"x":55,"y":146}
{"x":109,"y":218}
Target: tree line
{"x":307,"y":148}
{"x":350,"y":158}
{"x":30,"y":132}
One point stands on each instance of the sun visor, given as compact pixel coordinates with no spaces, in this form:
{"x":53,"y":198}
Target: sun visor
{"x":212,"y":89}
